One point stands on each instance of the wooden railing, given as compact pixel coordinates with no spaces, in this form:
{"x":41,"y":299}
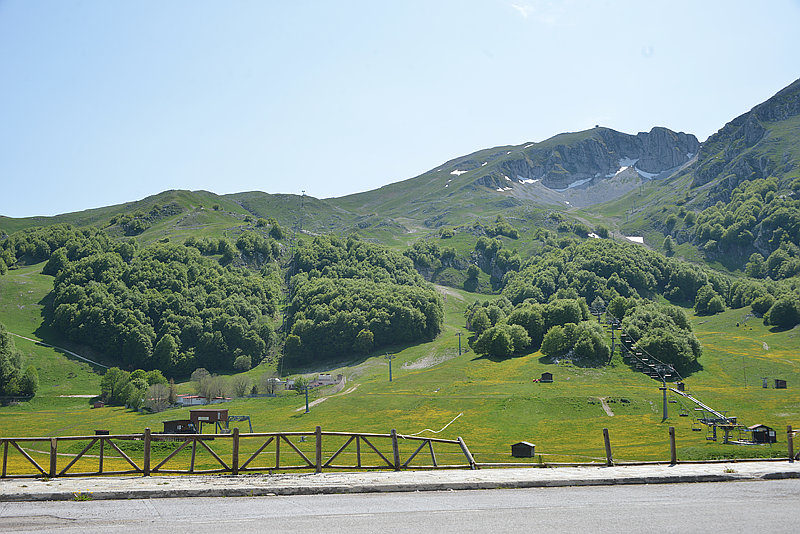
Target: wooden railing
{"x":267,"y":452}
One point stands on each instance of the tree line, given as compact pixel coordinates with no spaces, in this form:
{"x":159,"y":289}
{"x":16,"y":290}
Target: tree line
{"x":350,"y":297}
{"x":15,"y":377}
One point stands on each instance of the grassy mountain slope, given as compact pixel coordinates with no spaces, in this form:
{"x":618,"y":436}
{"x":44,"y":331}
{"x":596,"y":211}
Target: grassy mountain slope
{"x":762,"y":144}
{"x":185,"y":200}
{"x":499,"y":402}
{"x":432,"y":385}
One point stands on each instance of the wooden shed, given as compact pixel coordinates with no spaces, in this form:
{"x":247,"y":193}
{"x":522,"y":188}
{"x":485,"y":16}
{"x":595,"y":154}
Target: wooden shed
{"x":98,"y":404}
{"x":523,"y":449}
{"x":780,"y":384}
{"x":762,"y":434}
{"x":208,"y":416}
{"x":179,"y":426}
{"x":546,"y":377}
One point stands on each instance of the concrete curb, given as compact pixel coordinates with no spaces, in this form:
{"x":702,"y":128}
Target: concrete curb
{"x":254,"y":486}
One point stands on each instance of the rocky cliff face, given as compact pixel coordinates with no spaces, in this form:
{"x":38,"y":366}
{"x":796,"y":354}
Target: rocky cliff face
{"x":746,"y":147}
{"x":600,"y":155}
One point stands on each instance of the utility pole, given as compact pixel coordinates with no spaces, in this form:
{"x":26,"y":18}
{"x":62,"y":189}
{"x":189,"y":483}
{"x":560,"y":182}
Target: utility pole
{"x":307,"y":410}
{"x":744,"y":371}
{"x":390,"y":357}
{"x":459,"y":342}
{"x":663,"y":388}
{"x":612,"y":337}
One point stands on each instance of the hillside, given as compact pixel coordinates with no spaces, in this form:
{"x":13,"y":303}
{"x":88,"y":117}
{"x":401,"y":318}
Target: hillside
{"x":526,"y":245}
{"x":575,"y":169}
{"x":735,"y":204}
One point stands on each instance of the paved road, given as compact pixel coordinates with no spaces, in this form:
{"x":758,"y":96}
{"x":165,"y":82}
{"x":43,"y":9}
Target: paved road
{"x":757,"y":506}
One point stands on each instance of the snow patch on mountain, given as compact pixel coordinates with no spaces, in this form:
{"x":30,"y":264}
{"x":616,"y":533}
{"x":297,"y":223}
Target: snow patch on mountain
{"x":576,"y":183}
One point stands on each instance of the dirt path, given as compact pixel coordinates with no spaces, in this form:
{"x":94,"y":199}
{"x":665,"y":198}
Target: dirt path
{"x":323,"y":399}
{"x":606,"y":407}
{"x":448,"y":292}
{"x":429,"y":361}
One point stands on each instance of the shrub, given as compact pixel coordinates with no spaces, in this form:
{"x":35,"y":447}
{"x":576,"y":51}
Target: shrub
{"x":243,"y":363}
{"x":785,"y":313}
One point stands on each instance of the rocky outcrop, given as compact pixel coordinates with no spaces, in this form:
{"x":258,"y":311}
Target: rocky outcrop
{"x":734,"y":153}
{"x":598,"y":155}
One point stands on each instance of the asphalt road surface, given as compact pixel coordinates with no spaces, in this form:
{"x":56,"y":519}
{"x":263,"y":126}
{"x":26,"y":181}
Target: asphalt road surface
{"x":754,"y":506}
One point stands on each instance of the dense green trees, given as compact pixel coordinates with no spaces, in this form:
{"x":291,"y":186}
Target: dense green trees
{"x":134,"y":389}
{"x":559,"y":327}
{"x":502,"y":340}
{"x":708,"y":301}
{"x":601,"y":268}
{"x":13,"y":379}
{"x":349,"y":296}
{"x":584,"y":342}
{"x":662,"y":331}
{"x":785,"y":312}
{"x":167,"y":307}
{"x":758,"y":220}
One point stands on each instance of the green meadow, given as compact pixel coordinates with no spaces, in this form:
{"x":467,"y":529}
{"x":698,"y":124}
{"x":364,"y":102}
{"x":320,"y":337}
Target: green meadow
{"x":490,"y":403}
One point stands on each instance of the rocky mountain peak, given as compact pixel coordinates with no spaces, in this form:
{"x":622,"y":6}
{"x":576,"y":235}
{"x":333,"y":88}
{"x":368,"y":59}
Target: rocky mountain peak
{"x":596,"y":155}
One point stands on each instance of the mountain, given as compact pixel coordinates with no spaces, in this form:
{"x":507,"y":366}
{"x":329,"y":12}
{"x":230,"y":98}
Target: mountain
{"x":571,"y":169}
{"x":761,"y":143}
{"x":599,"y":175}
{"x":738,"y":202}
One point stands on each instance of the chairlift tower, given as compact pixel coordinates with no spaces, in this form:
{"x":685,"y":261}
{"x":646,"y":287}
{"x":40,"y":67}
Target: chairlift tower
{"x":390,"y":357}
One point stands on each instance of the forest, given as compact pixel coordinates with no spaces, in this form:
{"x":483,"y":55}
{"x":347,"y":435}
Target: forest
{"x":224,"y":303}
{"x":349,"y":296}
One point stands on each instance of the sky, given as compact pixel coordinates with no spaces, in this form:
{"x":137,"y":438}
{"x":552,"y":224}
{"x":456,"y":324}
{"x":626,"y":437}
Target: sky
{"x":108,"y":102}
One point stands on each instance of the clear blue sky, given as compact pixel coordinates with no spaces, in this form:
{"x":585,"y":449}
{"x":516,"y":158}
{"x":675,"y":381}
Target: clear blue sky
{"x":103,"y":102}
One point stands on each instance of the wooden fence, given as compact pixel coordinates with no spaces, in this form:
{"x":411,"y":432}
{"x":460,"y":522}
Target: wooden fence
{"x":368,"y":451}
{"x":609,"y":458}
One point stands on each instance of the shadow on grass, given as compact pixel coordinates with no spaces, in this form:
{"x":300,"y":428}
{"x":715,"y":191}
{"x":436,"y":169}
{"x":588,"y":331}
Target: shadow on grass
{"x":308,"y":365}
{"x":497,"y":359}
{"x":52,"y":338}
{"x":781,"y":329}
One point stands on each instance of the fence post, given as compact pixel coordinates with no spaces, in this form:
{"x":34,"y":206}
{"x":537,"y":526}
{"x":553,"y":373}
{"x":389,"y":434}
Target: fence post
{"x":319,"y":450}
{"x":673,"y":453}
{"x":100,"y":463}
{"x":395,"y":450}
{"x":146,"y":460}
{"x":790,"y":442}
{"x":53,"y":457}
{"x":235,"y":458}
{"x":609,"y":460}
{"x":467,"y":454}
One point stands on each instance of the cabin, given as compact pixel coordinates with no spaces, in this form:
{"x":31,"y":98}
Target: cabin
{"x":546,"y":377}
{"x":191,"y":400}
{"x":780,"y":384}
{"x":762,"y":434}
{"x":208,"y":416}
{"x":98,"y":404}
{"x":523,"y":449}
{"x":179,"y":426}
{"x":326,"y":379}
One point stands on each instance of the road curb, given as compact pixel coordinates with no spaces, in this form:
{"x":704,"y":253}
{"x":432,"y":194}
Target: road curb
{"x":340,"y":488}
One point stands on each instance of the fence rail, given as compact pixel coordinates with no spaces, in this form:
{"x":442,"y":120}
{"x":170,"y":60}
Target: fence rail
{"x":268,"y":452}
